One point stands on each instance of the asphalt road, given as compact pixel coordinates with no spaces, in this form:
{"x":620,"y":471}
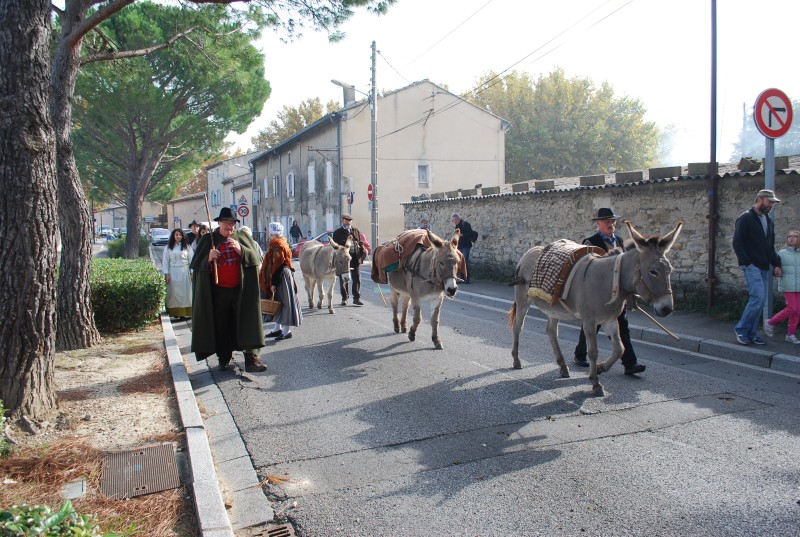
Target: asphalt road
{"x":377,"y":435}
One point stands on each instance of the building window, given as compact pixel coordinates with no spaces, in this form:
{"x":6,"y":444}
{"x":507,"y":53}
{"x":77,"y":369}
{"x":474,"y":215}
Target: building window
{"x":329,"y":220}
{"x":311,"y":179}
{"x":274,"y":187}
{"x":266,"y":192}
{"x":290,"y":185}
{"x":423,"y":175}
{"x":289,"y":158}
{"x":328,"y":176}
{"x":219,"y":197}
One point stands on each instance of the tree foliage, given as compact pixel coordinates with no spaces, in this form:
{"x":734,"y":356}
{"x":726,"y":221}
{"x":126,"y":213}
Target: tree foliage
{"x":290,"y":121}
{"x":751,"y":141}
{"x":567,"y":126}
{"x":144,"y":125}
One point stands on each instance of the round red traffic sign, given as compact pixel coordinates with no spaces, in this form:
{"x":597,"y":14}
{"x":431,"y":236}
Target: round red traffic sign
{"x":370,"y":191}
{"x":773,"y":113}
{"x":243,"y":211}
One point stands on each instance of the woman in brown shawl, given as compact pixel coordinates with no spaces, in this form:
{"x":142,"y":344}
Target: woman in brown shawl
{"x":277,"y":281}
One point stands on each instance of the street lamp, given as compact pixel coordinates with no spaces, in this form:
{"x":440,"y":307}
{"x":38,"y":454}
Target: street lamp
{"x":349,"y":91}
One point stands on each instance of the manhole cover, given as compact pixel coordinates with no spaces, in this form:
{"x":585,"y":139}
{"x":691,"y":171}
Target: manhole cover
{"x":139,"y":471}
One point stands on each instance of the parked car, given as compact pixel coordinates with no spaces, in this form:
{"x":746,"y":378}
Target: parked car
{"x":324,"y":237}
{"x":159,"y":236}
{"x":107,"y":232}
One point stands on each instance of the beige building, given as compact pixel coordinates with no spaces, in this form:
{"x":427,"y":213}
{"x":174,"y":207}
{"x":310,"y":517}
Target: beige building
{"x":428,"y":139}
{"x":116,"y":216}
{"x":230,"y":184}
{"x":182,"y":211}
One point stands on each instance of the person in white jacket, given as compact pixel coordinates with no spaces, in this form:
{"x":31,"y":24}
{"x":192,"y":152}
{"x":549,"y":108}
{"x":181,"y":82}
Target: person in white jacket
{"x":175,"y":267}
{"x":790,"y":285}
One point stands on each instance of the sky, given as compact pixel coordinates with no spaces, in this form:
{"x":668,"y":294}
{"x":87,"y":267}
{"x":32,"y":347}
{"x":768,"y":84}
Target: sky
{"x":656,"y":51}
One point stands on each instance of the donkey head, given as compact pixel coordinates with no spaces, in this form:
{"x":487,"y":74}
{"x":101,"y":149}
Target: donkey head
{"x":446,"y":258}
{"x":653,"y":280}
{"x":341,"y":259}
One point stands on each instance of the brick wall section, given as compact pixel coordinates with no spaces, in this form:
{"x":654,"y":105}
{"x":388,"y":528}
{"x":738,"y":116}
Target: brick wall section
{"x":511,"y":223}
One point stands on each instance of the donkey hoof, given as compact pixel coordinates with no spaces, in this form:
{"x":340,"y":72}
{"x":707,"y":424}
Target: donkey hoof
{"x":411,"y":336}
{"x":396,"y":330}
{"x":598,"y":391}
{"x":404,"y":330}
{"x":437,"y":345}
{"x":517,"y":364}
{"x":565,"y":373}
{"x":331,"y":311}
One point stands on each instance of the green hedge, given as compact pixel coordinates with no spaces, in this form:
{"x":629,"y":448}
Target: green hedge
{"x":116,"y":248}
{"x":127,"y":294}
{"x":42,"y":521}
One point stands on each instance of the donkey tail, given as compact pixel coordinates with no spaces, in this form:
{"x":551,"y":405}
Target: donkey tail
{"x":512,"y":316}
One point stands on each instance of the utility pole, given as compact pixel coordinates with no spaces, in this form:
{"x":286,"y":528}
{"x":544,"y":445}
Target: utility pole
{"x":373,"y":97}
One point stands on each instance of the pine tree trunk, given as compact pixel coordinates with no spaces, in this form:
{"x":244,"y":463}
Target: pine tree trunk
{"x":134,"y":210}
{"x":27,"y":211}
{"x":76,"y":328}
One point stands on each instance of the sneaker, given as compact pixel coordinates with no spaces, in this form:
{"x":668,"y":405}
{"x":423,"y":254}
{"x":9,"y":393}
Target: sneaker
{"x":758,"y":341}
{"x":357,"y":302}
{"x":344,"y":303}
{"x":742,"y":340}
{"x":769,"y":330}
{"x":635,"y":369}
{"x":791,"y":338}
{"x":583,"y":362}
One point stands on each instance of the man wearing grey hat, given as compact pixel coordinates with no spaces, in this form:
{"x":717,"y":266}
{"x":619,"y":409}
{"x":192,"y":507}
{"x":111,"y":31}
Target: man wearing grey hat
{"x":754,"y":245}
{"x":607,"y":238}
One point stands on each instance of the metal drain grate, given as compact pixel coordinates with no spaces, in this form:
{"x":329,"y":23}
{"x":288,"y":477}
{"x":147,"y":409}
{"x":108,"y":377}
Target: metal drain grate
{"x":139,"y":471}
{"x":284,"y":530}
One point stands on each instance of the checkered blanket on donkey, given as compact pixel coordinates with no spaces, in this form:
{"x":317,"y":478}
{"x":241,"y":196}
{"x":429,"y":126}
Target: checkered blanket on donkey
{"x":554,"y":266}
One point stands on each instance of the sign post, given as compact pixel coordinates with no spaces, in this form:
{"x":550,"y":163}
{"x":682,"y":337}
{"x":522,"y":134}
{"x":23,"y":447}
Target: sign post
{"x":772,"y":114}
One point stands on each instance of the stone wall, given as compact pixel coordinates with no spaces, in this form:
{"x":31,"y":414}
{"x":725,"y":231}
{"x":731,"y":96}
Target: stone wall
{"x":511,"y":223}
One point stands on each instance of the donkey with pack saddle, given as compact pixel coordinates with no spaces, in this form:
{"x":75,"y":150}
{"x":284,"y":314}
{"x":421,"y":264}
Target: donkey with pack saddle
{"x":419,"y":267}
{"x":322,"y":263}
{"x":594,"y":290}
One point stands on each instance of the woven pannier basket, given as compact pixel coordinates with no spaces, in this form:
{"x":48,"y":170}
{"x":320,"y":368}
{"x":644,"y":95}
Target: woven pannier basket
{"x":269,"y":306}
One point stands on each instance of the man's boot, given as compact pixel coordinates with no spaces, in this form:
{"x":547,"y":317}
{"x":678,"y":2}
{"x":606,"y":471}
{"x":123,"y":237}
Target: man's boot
{"x":223,"y":362}
{"x":252,"y":364}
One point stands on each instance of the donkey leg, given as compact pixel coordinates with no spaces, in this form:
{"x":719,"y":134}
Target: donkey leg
{"x":309,"y":291}
{"x":552,"y":334}
{"x":404,"y":316}
{"x":395,"y":311}
{"x":591,"y":351}
{"x":330,"y":296}
{"x":617,"y":348}
{"x":437,"y":343}
{"x":416,"y":308}
{"x":518,"y":313}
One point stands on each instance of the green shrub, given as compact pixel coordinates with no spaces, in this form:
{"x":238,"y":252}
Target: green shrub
{"x":5,"y":447}
{"x":42,"y":521}
{"x":127,"y":294}
{"x":116,"y":248}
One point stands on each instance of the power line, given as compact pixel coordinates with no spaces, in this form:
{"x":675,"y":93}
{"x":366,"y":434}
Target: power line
{"x":448,"y":34}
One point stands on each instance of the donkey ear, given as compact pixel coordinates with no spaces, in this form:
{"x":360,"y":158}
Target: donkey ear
{"x":637,"y":237}
{"x":454,"y":240}
{"x":669,"y":239}
{"x":434,"y":239}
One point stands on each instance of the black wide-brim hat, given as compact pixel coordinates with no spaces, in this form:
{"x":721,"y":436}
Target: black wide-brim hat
{"x":193,"y":223}
{"x":226,"y":213}
{"x":604,"y":213}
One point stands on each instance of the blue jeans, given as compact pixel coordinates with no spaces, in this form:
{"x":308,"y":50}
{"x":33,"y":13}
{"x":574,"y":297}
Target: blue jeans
{"x":757,"y":280}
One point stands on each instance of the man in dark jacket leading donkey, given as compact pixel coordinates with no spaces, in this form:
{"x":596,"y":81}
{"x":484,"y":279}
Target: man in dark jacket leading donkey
{"x":606,"y":238}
